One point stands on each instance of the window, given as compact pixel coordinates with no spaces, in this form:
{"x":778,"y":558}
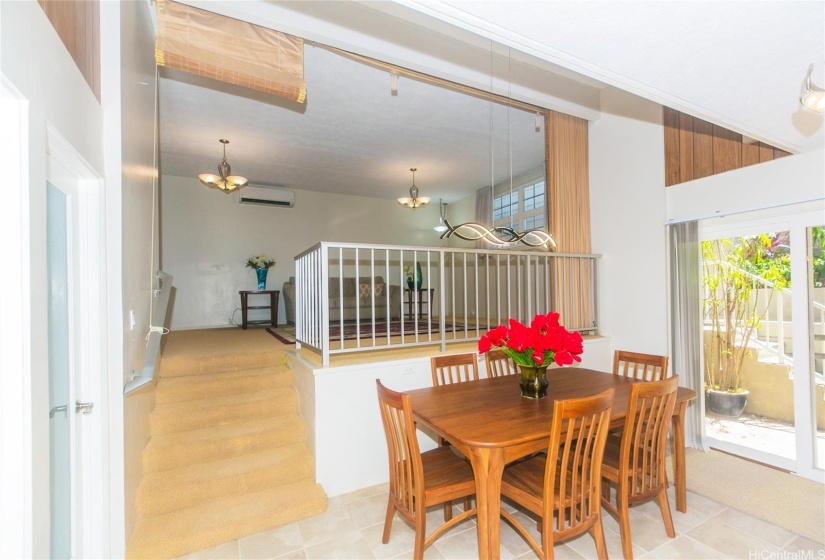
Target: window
{"x":523,"y":209}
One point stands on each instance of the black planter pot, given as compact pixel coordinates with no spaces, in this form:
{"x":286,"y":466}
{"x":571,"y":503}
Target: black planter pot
{"x":726,"y":404}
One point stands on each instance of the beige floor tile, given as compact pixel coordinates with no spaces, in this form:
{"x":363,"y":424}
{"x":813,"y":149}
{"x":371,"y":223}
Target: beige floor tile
{"x":684,"y":547}
{"x":325,"y":526}
{"x":762,"y":529}
{"x":512,"y":541}
{"x":345,"y":546}
{"x":586,"y":546}
{"x":368,"y":511}
{"x":731,"y":541}
{"x":816,"y":549}
{"x":402,"y":539}
{"x":224,"y":551}
{"x":294,"y":555}
{"x":647,"y":533}
{"x":272,"y":543}
{"x":460,"y":543}
{"x":698,"y":503}
{"x":368,"y":492}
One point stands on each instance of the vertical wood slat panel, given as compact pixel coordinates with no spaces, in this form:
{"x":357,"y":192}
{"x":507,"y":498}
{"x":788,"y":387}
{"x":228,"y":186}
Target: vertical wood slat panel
{"x":777,"y":153}
{"x":702,"y":149}
{"x":750,"y":154}
{"x":685,"y":147}
{"x":727,"y":154}
{"x":765,"y":152}
{"x":77,"y":23}
{"x":672,"y":150}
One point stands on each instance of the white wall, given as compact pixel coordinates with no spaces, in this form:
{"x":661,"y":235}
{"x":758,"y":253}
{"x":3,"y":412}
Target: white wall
{"x":780,"y":182}
{"x":351,"y":454}
{"x":140,"y":247}
{"x":206,"y":237}
{"x":627,"y":201}
{"x":36,"y":64}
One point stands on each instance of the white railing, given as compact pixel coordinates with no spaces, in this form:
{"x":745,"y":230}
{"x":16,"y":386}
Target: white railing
{"x":353,"y":297}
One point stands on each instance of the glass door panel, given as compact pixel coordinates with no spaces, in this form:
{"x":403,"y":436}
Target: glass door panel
{"x":816,"y":258}
{"x":61,"y":413}
{"x":748,"y":350}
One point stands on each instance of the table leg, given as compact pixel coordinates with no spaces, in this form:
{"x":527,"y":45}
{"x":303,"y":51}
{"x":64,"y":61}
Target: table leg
{"x":488,"y":466}
{"x":243,"y":311}
{"x":678,"y":423}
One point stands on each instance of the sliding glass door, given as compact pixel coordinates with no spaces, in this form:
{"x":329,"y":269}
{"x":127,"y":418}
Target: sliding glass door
{"x":764,"y":336}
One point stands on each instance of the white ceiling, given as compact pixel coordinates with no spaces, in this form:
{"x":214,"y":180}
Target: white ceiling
{"x":738,"y":64}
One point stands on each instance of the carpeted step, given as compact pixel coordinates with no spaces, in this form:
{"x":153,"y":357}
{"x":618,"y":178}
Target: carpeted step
{"x":185,"y":365}
{"x":172,"y":490}
{"x":178,"y":389}
{"x":218,"y":410}
{"x":201,"y":527}
{"x":171,"y":451}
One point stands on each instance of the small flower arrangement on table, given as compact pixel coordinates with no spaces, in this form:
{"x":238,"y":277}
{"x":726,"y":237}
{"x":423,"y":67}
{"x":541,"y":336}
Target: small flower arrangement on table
{"x":534,"y":348}
{"x":260,"y":261}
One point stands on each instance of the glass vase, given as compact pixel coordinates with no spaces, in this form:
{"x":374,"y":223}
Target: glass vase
{"x":533,"y":381}
{"x":261,"y":273}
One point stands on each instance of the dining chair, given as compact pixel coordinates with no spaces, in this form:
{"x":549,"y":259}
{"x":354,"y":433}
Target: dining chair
{"x":453,"y":368}
{"x":635,"y":462}
{"x":565,"y":490}
{"x":500,"y":364}
{"x":644,"y":367}
{"x":419,"y":480}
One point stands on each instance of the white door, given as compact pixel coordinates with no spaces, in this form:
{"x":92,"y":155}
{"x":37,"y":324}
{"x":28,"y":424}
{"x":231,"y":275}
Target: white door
{"x":68,"y":408}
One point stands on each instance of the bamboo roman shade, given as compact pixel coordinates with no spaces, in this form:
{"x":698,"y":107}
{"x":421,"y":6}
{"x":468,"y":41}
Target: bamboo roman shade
{"x":230,"y":50}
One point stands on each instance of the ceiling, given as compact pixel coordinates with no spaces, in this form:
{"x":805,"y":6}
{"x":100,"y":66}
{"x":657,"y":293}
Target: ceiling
{"x":738,"y":64}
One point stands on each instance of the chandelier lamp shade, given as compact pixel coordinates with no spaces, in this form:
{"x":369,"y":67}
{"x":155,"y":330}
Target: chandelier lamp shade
{"x":813,"y":97}
{"x":224,"y":180}
{"x":414,"y":201}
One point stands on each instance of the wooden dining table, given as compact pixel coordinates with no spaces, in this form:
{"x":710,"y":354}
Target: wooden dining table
{"x":492,"y":424}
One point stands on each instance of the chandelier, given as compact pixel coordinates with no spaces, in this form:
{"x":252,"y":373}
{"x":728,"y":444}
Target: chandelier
{"x":223,"y":181}
{"x":413,"y":201}
{"x":499,"y":236}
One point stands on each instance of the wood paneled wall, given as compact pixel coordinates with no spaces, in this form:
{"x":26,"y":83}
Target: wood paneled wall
{"x":77,"y":23}
{"x":695,"y":148}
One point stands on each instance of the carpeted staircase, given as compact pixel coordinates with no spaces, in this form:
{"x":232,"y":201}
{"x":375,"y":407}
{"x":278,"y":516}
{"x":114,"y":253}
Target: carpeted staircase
{"x":226,"y":457}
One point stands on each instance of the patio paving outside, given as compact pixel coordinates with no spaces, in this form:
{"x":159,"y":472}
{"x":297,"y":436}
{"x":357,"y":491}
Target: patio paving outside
{"x":758,"y":432}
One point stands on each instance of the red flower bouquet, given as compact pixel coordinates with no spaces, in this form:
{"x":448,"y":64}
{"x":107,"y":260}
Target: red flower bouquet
{"x":545,"y":341}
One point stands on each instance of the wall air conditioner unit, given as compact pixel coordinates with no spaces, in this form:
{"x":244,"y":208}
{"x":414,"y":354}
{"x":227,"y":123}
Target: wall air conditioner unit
{"x":264,"y":196}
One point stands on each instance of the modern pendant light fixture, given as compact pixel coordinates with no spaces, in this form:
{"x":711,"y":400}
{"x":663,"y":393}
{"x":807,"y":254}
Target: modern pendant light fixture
{"x":442,"y":208}
{"x":499,"y":236}
{"x":813,"y":97}
{"x":413,"y":201}
{"x":223,"y":181}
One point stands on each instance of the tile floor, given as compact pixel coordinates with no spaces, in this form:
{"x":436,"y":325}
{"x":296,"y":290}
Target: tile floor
{"x":352,"y":526}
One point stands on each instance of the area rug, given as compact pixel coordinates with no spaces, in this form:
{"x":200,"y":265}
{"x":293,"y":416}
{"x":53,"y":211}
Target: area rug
{"x":286,"y":334}
{"x":791,"y":502}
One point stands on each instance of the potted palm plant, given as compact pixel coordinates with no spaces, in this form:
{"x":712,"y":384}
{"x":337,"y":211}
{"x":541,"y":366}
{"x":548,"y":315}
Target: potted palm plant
{"x":734,"y":312}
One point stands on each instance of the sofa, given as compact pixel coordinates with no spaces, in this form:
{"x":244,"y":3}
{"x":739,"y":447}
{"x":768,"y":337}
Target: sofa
{"x":351,"y":298}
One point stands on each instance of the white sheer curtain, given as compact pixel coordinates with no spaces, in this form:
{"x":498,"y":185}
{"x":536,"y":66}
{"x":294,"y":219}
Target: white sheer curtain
{"x":686,"y":323}
{"x":484,"y":213}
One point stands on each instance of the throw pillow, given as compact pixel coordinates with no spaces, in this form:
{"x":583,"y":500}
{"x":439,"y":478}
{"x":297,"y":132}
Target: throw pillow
{"x":365,"y":290}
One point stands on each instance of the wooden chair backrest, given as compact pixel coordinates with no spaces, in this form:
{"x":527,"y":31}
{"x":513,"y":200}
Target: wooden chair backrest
{"x":406,"y":467}
{"x":499,"y":364}
{"x":574,"y":463}
{"x":643,"y":449}
{"x":454,"y":368}
{"x":644,"y":367}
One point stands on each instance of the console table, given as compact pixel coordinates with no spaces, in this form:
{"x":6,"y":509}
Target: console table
{"x":273,"y":307}
{"x":421,"y":300}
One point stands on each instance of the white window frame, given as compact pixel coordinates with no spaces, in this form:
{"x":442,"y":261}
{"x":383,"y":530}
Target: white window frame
{"x":521,"y":214}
